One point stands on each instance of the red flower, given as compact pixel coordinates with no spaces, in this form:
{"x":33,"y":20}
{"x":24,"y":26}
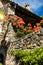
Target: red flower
{"x":20,"y":21}
{"x":29,"y":24}
{"x":36,"y":28}
{"x":28,"y":30}
{"x":14,"y":23}
{"x":11,"y":16}
{"x":20,"y":26}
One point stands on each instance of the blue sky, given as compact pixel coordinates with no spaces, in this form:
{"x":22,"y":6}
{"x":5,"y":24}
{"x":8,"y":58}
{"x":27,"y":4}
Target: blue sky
{"x":35,"y":5}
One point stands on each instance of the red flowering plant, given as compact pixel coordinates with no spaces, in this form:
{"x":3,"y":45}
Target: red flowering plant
{"x":29,"y":28}
{"x":37,"y":27}
{"x":19,"y":25}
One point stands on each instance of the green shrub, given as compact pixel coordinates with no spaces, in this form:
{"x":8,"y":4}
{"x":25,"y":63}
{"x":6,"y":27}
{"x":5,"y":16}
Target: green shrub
{"x":32,"y":57}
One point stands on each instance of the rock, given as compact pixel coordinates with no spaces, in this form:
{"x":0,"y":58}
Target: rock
{"x":29,"y":46}
{"x":38,"y":44}
{"x":17,"y":46}
{"x":24,"y":47}
{"x":41,"y":41}
{"x":9,"y":60}
{"x":21,"y":45}
{"x":34,"y":45}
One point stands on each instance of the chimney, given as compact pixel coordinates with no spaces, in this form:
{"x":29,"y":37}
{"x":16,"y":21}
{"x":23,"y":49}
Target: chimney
{"x":27,"y":7}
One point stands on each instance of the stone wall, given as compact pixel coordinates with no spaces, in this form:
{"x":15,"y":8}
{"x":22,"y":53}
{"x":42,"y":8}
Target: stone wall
{"x":29,"y":41}
{"x":6,"y":8}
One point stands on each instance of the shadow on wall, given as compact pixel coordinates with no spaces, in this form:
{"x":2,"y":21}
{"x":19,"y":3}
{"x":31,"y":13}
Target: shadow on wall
{"x":1,"y":58}
{"x":3,"y":54}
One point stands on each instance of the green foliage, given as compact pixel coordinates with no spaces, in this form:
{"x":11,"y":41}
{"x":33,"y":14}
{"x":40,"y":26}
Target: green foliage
{"x":20,"y":33}
{"x":30,"y":57}
{"x":15,"y":19}
{"x":1,"y":64}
